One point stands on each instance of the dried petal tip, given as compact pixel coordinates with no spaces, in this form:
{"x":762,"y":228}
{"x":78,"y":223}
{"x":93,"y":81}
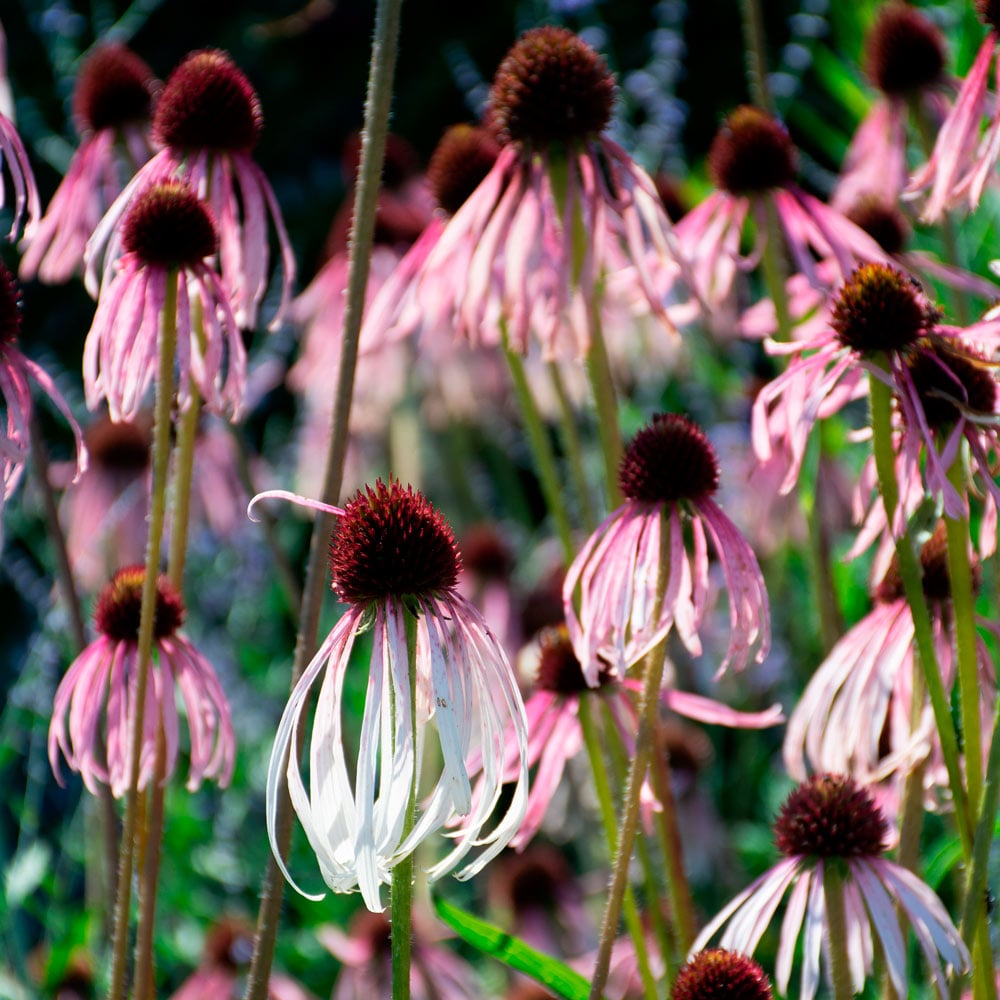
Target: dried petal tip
{"x":751,"y":153}
{"x":168,"y":226}
{"x":830,"y":816}
{"x":952,"y":381}
{"x":10,"y":306}
{"x":879,"y":309}
{"x":559,"y":670}
{"x":208,"y":103}
{"x":883,"y":222}
{"x":118,"y":606}
{"x":551,"y":87}
{"x":669,"y":460}
{"x":904,"y":51}
{"x":391,"y":542}
{"x":717,"y":974}
{"x":464,"y":156}
{"x":113,"y":88}
{"x":989,"y":13}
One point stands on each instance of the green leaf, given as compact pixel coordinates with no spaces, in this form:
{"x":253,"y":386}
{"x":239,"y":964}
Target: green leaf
{"x":514,"y":953}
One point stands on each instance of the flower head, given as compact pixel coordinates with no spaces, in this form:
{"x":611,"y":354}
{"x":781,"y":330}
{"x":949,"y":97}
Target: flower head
{"x":112,"y":103}
{"x":904,"y":50}
{"x":717,"y":974}
{"x":525,"y":257}
{"x":668,"y":474}
{"x":168,"y":237}
{"x":208,"y":119}
{"x":435,"y":668}
{"x":98,"y":692}
{"x":832,"y":822}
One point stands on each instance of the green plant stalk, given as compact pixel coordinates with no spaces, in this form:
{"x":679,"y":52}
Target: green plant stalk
{"x":880,"y":399}
{"x":756,"y":54}
{"x":663,"y":932}
{"x":376,"y":125}
{"x":963,"y":605}
{"x":401,"y":893}
{"x":633,"y":922}
{"x":157,"y":517}
{"x":187,"y":435}
{"x":541,"y":450}
{"x":606,"y":404}
{"x":836,"y":929}
{"x":574,"y":447}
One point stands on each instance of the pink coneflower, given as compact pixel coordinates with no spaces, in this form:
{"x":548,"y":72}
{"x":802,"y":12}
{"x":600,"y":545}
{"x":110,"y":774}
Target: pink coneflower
{"x":944,"y":389}
{"x":23,"y":180}
{"x":856,"y":713}
{"x":104,"y":513}
{"x":561,"y":208}
{"x":752,"y":159}
{"x":668,"y":475}
{"x":168,"y":236}
{"x":717,"y":974}
{"x":222,"y":973}
{"x":555,"y":735}
{"x":208,"y":119}
{"x":832,"y":822}
{"x":99,"y":687}
{"x":111,"y":109}
{"x":394,"y":563}
{"x":963,"y":160}
{"x":904,"y":59}
{"x":435,"y":973}
{"x":15,"y":390}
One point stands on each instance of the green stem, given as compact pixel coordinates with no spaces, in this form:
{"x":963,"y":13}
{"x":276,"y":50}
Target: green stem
{"x":963,"y":604}
{"x":605,"y":799}
{"x":756,"y":54}
{"x":880,"y":397}
{"x":401,"y":899}
{"x":606,"y":403}
{"x":541,"y":450}
{"x":836,"y":929}
{"x":775,"y":273}
{"x":376,"y":126}
{"x":157,"y":517}
{"x":573,"y":446}
{"x":183,"y":477}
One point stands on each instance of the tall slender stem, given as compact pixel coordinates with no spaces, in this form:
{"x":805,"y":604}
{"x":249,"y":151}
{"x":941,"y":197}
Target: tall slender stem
{"x":606,"y":402}
{"x":574,"y":447}
{"x":541,"y":450}
{"x":157,"y":517}
{"x":880,"y":398}
{"x":756,"y":53}
{"x":605,"y":800}
{"x":376,"y":125}
{"x":183,"y":478}
{"x":836,"y":928}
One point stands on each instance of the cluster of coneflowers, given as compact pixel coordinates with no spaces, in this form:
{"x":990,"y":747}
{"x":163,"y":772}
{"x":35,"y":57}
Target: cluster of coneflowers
{"x":524,"y":265}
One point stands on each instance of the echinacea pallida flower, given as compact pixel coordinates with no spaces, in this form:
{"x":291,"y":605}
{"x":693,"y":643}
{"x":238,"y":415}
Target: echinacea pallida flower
{"x":394,"y":562}
{"x":830,"y":820}
{"x":668,"y":476}
{"x":717,"y":974}
{"x":93,"y":707}
{"x":168,"y":236}
{"x":111,"y":108}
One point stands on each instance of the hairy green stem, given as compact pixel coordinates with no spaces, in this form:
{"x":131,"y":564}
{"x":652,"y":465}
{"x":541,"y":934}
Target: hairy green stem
{"x":573,"y":446}
{"x":756,"y":54}
{"x":376,"y":125}
{"x":880,"y":398}
{"x":836,"y":929}
{"x":187,"y":435}
{"x":605,"y":799}
{"x":541,"y":450}
{"x":157,"y":517}
{"x":606,"y":403}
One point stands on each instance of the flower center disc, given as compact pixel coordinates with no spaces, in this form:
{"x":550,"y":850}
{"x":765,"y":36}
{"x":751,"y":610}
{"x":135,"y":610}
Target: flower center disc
{"x":751,"y":153}
{"x":904,"y":51}
{"x":114,"y":87}
{"x":464,"y":156}
{"x":670,"y":459}
{"x":717,"y":974}
{"x":119,"y":604}
{"x":943,"y":373}
{"x":168,"y":226}
{"x":879,"y":309}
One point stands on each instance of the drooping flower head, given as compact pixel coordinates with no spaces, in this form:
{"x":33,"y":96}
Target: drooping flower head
{"x":881,"y":326}
{"x":831,"y":821}
{"x":752,"y":160}
{"x":208,"y":119}
{"x":668,"y":475}
{"x":856,"y":713}
{"x":168,"y":237}
{"x":93,"y":707}
{"x":394,"y":562}
{"x":112,"y":104}
{"x":511,"y":260}
{"x":717,"y":974}
{"x":963,"y":158}
{"x":15,"y":393}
